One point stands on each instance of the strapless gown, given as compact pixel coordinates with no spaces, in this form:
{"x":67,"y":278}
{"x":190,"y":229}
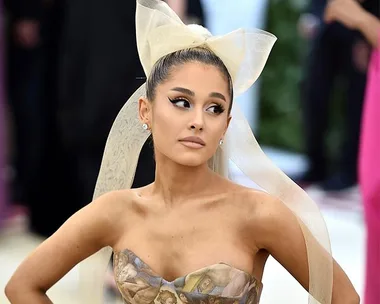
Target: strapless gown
{"x":215,"y":284}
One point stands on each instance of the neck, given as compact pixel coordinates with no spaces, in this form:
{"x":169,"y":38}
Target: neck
{"x":175,"y":183}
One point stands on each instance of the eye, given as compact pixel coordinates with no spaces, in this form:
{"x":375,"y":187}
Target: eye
{"x":180,"y":102}
{"x":216,"y":109}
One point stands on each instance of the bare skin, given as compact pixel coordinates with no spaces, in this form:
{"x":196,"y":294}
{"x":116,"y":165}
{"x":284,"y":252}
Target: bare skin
{"x":189,"y":217}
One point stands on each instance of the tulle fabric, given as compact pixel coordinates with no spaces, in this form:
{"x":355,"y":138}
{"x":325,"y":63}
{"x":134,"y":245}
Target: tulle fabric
{"x":159,"y":33}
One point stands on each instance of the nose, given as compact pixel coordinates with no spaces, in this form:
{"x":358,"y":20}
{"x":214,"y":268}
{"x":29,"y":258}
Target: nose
{"x":197,"y":120}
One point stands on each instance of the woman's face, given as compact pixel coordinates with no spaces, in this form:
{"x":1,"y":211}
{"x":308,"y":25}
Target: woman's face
{"x":191,"y":105}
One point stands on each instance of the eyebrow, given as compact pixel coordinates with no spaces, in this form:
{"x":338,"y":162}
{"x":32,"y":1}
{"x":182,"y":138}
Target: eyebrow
{"x":217,"y":95}
{"x":184,"y":91}
{"x":191,"y":93}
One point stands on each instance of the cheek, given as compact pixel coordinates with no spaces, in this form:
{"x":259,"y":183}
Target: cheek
{"x":218,"y":128}
{"x":163,"y":119}
{"x":165,"y":126}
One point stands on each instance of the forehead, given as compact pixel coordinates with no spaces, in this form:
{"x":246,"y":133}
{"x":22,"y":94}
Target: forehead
{"x":199,"y":77}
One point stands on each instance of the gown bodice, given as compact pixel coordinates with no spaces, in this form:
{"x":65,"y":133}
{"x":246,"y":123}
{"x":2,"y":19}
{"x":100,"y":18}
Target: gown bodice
{"x":215,"y":284}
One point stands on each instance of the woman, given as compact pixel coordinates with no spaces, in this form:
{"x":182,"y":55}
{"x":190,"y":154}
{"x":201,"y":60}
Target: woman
{"x":352,"y":15}
{"x":192,"y":227}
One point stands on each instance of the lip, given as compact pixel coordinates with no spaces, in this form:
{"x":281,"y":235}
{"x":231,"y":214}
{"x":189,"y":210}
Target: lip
{"x":193,"y":140}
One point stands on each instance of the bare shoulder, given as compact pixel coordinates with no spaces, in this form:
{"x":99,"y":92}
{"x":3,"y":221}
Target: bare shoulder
{"x":268,"y":218}
{"x":266,"y":209}
{"x":257,"y":201}
{"x":112,"y":203}
{"x":265,"y":205}
{"x":111,"y":210}
{"x":263,"y":213}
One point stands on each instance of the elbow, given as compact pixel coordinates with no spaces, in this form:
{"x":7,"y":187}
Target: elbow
{"x":10,"y":291}
{"x":346,"y":297}
{"x":19,"y":291}
{"x":15,"y":293}
{"x":356,"y":299}
{"x":353,"y":298}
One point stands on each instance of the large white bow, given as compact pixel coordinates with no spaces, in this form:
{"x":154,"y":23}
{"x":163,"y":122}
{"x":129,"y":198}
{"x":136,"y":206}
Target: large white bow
{"x":160,"y":32}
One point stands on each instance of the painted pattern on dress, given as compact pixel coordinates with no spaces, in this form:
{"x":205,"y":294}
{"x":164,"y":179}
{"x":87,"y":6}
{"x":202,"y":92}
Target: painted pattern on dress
{"x":215,"y":284}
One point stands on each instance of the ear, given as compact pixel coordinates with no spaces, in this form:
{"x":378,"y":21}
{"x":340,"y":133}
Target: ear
{"x":145,"y":111}
{"x":228,"y":123}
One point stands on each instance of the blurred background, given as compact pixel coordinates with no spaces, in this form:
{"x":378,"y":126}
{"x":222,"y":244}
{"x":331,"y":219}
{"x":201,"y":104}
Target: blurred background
{"x":67,"y":67}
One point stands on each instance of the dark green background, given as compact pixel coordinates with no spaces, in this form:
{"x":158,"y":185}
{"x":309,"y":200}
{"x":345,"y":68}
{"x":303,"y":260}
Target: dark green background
{"x":280,"y":115}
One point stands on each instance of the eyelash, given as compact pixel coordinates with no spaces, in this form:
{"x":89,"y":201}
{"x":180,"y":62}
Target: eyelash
{"x":219,"y":109}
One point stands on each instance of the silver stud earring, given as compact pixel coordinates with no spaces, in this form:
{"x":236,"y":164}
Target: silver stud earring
{"x":145,"y":126}
{"x":220,"y":142}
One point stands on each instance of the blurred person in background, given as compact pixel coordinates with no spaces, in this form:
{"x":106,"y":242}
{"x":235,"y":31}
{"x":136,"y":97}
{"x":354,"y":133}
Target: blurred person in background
{"x":349,"y":13}
{"x":23,"y":88}
{"x":50,"y":165}
{"x":33,"y":35}
{"x":3,"y":147}
{"x":335,"y":51}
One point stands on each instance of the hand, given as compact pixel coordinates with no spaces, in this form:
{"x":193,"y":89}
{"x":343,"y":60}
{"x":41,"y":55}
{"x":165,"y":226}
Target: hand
{"x":347,"y":12}
{"x":308,"y":25}
{"x":27,"y":33}
{"x":361,"y":53}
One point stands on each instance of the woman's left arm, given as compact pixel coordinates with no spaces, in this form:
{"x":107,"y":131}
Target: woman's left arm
{"x":281,"y":235}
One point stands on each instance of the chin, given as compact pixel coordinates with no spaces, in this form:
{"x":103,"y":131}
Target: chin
{"x":190,"y":161}
{"x":189,"y":158}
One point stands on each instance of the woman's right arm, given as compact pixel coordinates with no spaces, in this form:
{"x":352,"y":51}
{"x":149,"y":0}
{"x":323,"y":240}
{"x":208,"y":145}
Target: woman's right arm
{"x":86,"y":232}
